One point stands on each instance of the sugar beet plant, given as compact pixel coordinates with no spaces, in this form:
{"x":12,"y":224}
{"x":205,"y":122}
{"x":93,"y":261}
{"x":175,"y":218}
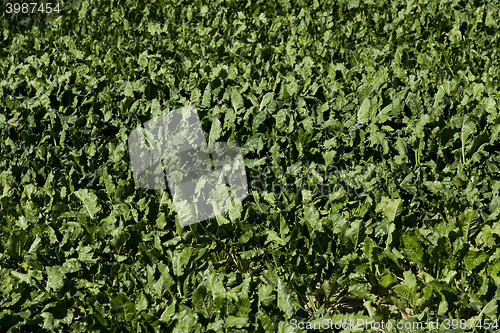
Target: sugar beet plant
{"x":370,"y":135}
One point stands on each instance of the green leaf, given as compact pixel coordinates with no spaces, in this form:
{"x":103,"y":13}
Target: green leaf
{"x":122,"y":307}
{"x":353,"y":4}
{"x":474,"y":259}
{"x":490,"y":310}
{"x":391,"y":208}
{"x":215,"y":132}
{"x":169,"y":312}
{"x":285,"y":302}
{"x":468,"y":128}
{"x":364,"y":111}
{"x":202,"y":302}
{"x":266,"y":100}
{"x":354,"y":232}
{"x":443,"y":307}
{"x":207,"y":97}
{"x":239,"y":322}
{"x":258,"y":120}
{"x":412,"y":248}
{"x":187,"y":321}
{"x":281,"y":120}
{"x":236,"y":99}
{"x":265,"y":293}
{"x":55,"y":279}
{"x":359,"y":290}
{"x":142,"y":303}
{"x":89,"y":200}
{"x":129,"y":92}
{"x":468,"y":222}
{"x":311,"y":216}
{"x":387,"y":280}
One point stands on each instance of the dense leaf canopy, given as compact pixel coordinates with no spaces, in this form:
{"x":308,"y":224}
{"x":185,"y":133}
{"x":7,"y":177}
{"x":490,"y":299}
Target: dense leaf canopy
{"x":370,"y":131}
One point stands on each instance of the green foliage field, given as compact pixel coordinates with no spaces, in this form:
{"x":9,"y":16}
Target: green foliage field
{"x":394,"y":104}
